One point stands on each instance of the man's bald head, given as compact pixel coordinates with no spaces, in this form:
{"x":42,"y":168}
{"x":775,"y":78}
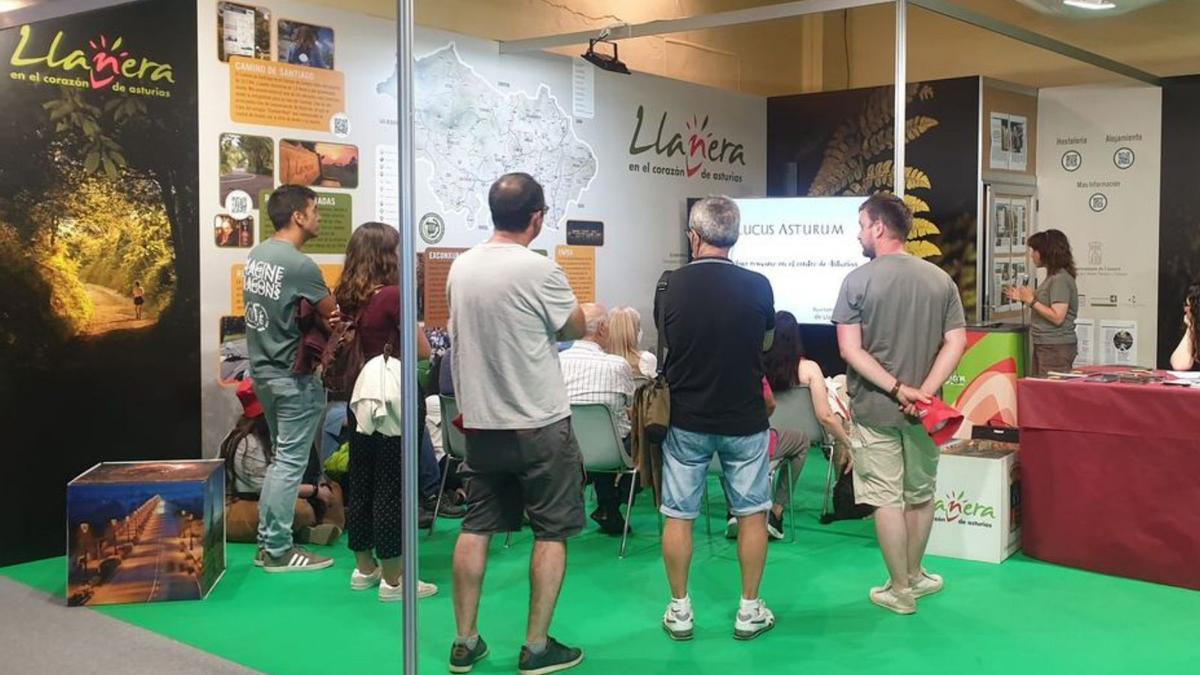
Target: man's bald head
{"x":514,"y":199}
{"x":596,"y":317}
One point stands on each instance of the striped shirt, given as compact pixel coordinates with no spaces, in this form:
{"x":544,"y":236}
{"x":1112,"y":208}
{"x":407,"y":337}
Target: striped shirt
{"x":593,"y":376}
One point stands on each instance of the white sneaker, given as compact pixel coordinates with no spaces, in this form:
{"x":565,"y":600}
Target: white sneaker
{"x":927,"y":584}
{"x":731,"y":528}
{"x":390,"y":593}
{"x":678,"y":621}
{"x":361,"y":582}
{"x":753,"y":621}
{"x":900,"y":603}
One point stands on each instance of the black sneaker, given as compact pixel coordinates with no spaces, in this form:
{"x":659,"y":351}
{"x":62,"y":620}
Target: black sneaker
{"x":463,"y":659}
{"x":610,"y":522}
{"x":447,"y":508}
{"x":554,"y":658}
{"x":775,"y":525}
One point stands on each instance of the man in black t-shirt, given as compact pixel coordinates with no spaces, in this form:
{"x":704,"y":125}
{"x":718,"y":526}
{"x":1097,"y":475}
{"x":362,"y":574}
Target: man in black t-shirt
{"x":717,"y":320}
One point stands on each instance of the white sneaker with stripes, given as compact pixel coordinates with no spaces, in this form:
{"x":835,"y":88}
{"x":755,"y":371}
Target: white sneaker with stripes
{"x":296,"y":559}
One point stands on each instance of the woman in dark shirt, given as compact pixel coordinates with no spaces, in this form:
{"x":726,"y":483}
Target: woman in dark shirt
{"x":369,"y":293}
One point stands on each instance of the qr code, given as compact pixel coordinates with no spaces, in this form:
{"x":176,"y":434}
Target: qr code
{"x":239,"y":204}
{"x":341,"y":126}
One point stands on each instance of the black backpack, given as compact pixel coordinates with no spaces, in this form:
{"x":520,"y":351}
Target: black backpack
{"x":844,"y":507}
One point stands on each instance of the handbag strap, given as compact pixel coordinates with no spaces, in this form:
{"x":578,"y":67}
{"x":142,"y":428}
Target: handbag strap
{"x":660,"y":321}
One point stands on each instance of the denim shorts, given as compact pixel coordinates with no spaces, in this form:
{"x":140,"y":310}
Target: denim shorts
{"x":687,"y":456}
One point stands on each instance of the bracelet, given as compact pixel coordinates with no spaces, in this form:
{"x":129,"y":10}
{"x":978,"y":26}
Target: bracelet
{"x":895,"y":389}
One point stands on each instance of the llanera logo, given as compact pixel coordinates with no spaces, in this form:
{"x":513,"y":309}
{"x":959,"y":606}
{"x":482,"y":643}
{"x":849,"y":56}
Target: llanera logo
{"x":957,"y":508}
{"x":696,"y":145}
{"x":105,"y":63}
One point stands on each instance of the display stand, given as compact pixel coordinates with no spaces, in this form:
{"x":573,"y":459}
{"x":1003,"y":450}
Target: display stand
{"x":145,"y":532}
{"x":977,"y":506}
{"x":984,"y":385}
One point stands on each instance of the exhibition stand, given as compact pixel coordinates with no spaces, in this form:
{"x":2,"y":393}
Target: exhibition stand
{"x":150,"y":189}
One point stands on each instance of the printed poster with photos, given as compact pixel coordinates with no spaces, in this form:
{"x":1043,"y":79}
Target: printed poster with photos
{"x":1010,"y":231}
{"x":291,"y":96}
{"x":1009,"y":151}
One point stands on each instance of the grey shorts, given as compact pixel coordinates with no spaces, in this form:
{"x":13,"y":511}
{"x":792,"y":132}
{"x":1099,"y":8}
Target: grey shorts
{"x":538,"y":472}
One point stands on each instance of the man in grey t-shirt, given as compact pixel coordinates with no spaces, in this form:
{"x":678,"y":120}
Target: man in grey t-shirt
{"x":277,"y":278}
{"x":901,"y":331}
{"x":508,"y":308}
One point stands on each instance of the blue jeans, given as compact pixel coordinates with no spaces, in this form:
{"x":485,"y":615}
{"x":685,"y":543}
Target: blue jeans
{"x":429,"y":472}
{"x":293,"y":407}
{"x":331,"y":433}
{"x":687,"y":456}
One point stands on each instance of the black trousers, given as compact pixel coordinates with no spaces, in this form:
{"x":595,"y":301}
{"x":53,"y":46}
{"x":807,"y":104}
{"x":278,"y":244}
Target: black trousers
{"x":374,"y":520}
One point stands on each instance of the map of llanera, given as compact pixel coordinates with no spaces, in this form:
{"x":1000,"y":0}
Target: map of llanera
{"x":472,"y":132}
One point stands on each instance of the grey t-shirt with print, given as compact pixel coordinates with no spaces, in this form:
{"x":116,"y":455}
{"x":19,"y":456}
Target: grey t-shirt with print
{"x":1057,"y":288}
{"x":277,"y":276}
{"x":905,"y":306}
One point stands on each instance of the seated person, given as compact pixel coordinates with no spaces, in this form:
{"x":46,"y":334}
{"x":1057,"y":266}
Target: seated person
{"x":624,"y":335}
{"x":320,"y":513}
{"x":786,"y":368}
{"x":594,"y":376}
{"x":1185,"y":355}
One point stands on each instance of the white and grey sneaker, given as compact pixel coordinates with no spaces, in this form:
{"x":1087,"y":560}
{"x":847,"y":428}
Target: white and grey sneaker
{"x":888,"y":598}
{"x":679,"y":621}
{"x":295,"y":559}
{"x":361,"y":582}
{"x":731,"y":528}
{"x":927,"y":584}
{"x":753,"y":621}
{"x":390,"y":593}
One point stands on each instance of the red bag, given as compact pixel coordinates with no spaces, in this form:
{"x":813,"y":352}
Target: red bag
{"x":940,"y":420}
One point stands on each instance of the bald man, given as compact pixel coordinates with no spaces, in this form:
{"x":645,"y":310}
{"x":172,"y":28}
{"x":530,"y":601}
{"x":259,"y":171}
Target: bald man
{"x":594,"y":376}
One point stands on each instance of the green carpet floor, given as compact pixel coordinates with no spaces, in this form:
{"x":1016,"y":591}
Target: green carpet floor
{"x":1019,"y":617}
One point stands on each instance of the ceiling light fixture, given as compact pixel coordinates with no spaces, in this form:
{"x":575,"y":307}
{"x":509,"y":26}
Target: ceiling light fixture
{"x":603,"y":61}
{"x":1090,"y":4}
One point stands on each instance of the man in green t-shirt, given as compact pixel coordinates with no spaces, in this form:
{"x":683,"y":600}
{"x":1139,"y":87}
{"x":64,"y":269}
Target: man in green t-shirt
{"x":278,"y":276}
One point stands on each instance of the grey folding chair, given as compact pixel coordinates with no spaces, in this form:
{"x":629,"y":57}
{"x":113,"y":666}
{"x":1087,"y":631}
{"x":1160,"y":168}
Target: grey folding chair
{"x":603,"y":451}
{"x":794,"y":410}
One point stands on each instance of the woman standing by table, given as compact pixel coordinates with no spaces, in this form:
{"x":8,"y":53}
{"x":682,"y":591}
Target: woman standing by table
{"x":1054,"y":305}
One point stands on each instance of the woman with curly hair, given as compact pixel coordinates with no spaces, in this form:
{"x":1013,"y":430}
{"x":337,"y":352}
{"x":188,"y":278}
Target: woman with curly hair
{"x":369,"y":293}
{"x":1054,"y":305}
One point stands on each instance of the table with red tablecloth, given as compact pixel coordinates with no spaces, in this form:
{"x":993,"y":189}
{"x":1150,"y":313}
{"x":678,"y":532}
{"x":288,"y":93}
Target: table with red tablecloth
{"x":1110,"y":478}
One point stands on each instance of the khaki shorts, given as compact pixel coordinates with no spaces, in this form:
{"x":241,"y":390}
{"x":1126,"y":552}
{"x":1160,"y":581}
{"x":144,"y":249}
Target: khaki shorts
{"x":893,"y":466}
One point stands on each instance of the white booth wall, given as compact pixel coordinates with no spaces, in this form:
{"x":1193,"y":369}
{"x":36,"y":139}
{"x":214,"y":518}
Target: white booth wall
{"x":642,"y":212}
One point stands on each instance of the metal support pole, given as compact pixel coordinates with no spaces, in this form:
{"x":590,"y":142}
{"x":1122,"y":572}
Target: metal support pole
{"x":408,"y":328}
{"x":901,"y":113}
